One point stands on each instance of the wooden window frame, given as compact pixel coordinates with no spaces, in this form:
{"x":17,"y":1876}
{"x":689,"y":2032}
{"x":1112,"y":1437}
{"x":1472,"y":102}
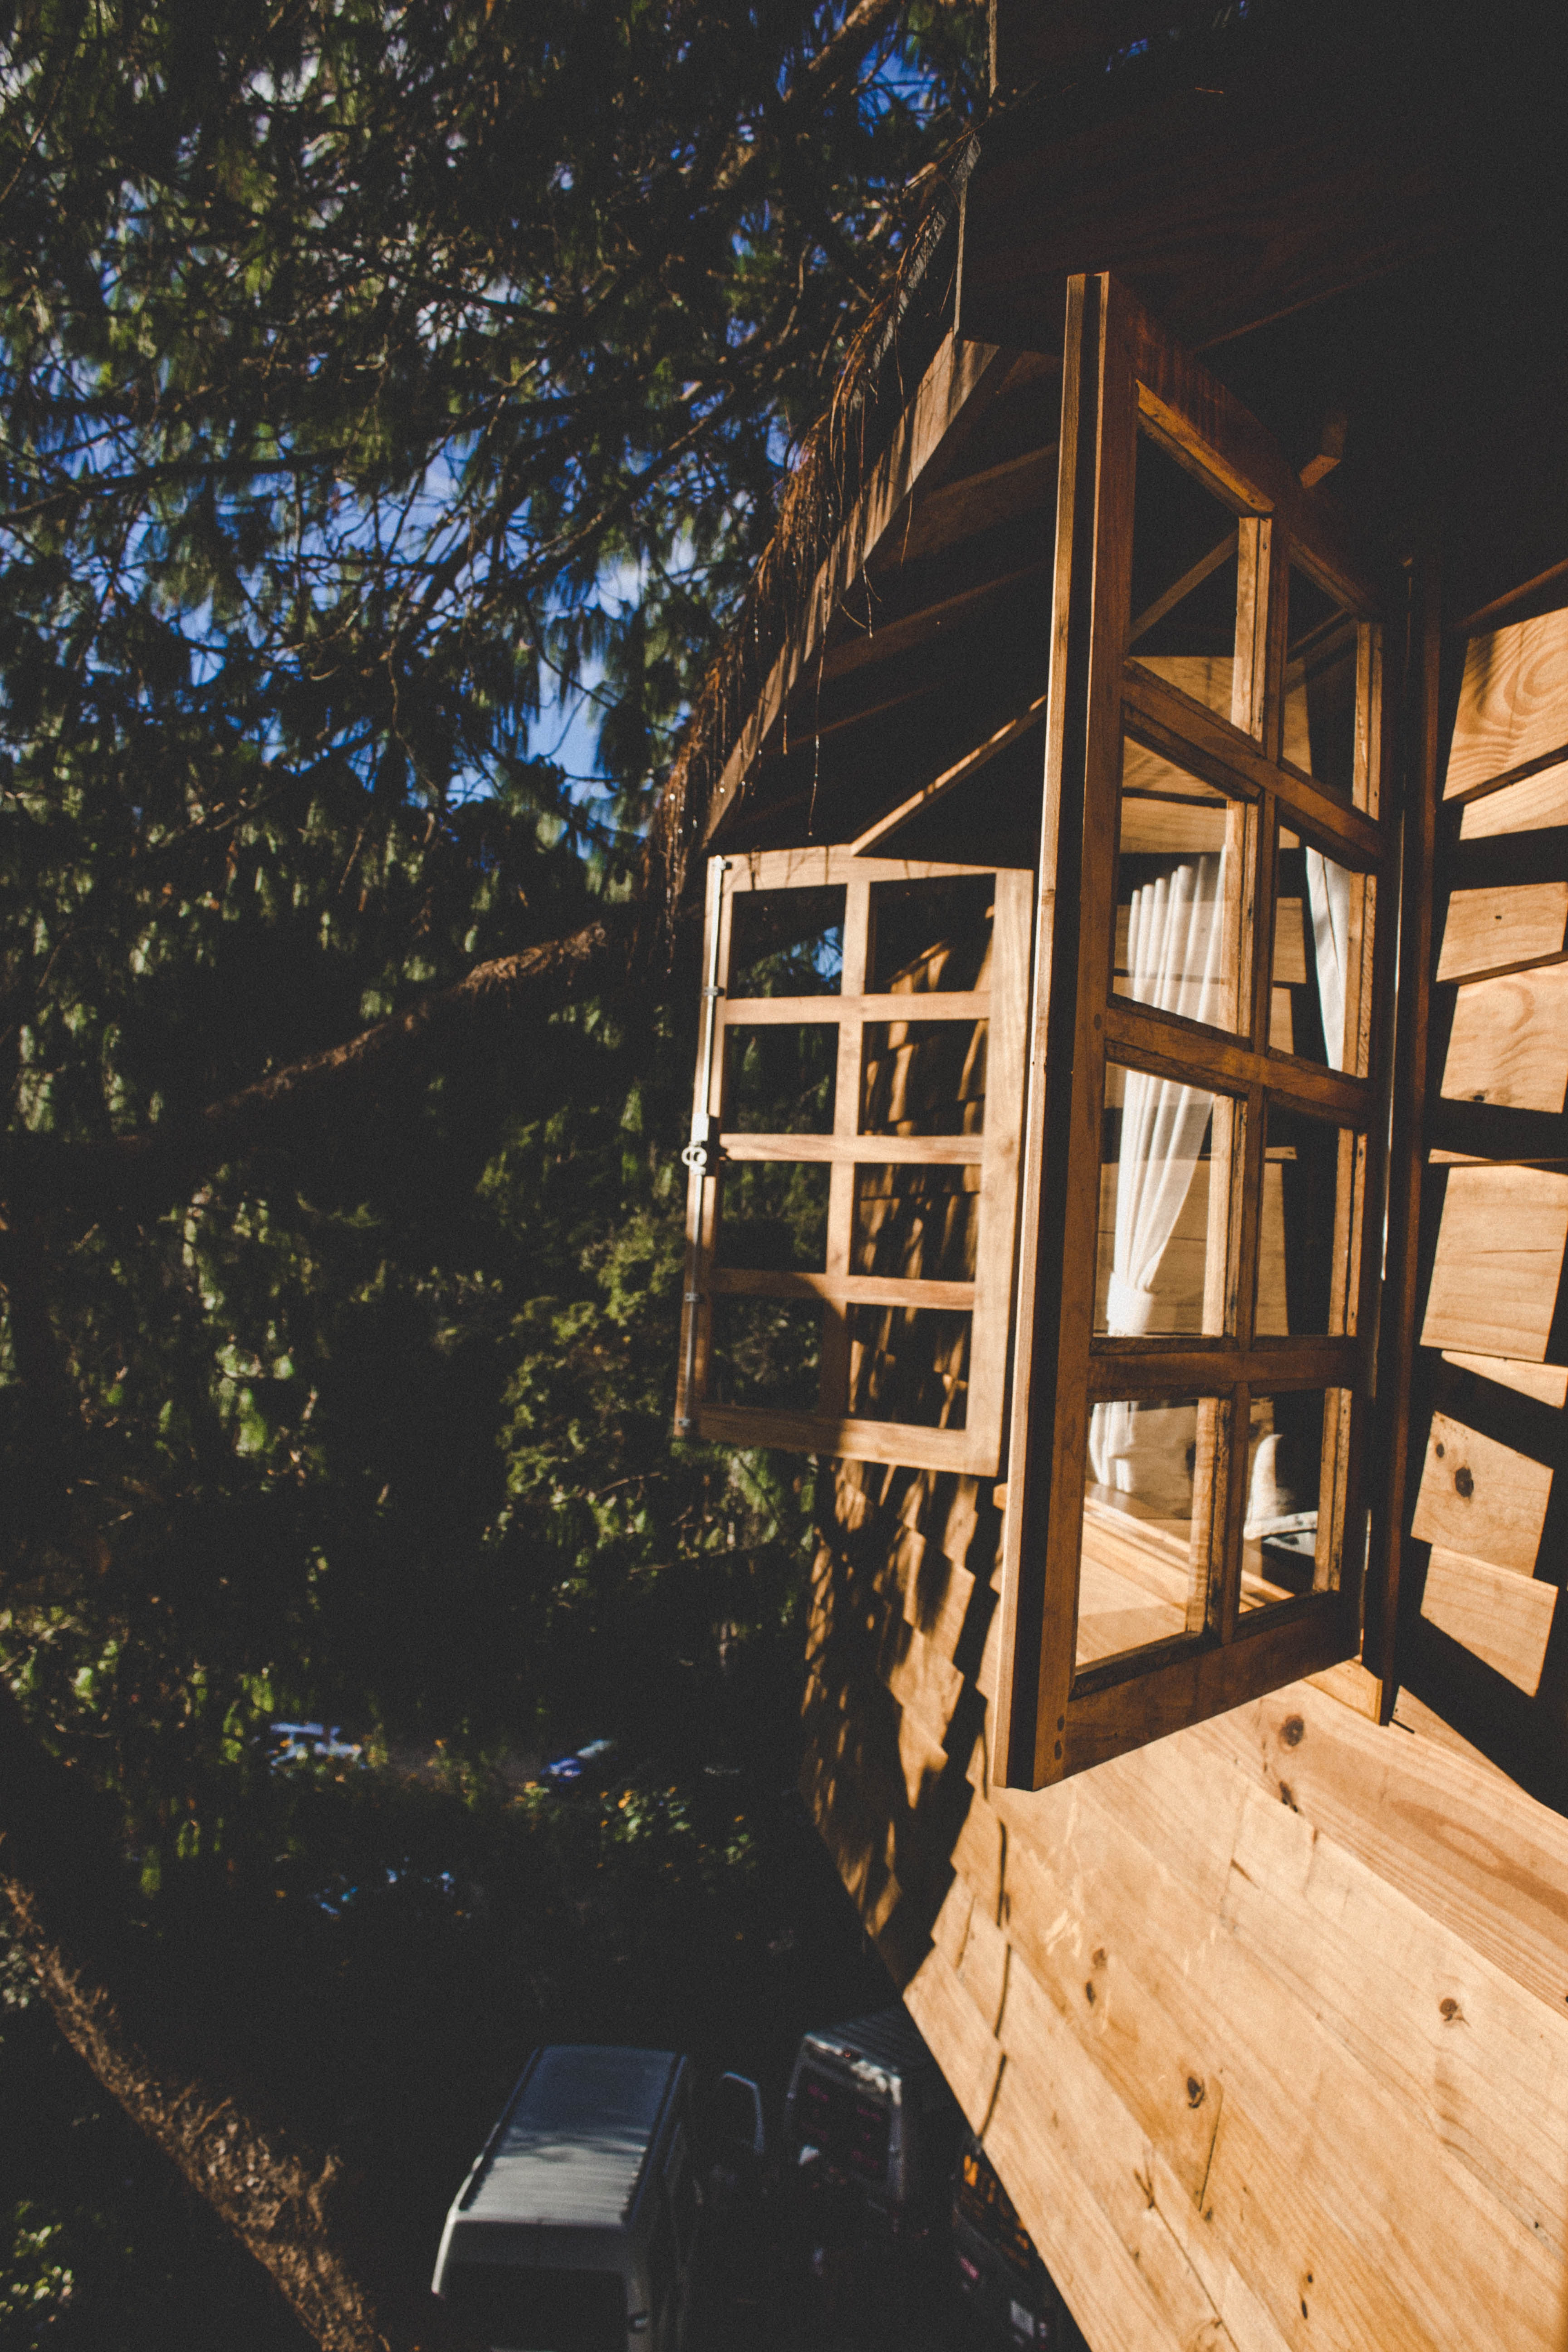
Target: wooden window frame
{"x":976,"y":1448}
{"x":1121,"y":373}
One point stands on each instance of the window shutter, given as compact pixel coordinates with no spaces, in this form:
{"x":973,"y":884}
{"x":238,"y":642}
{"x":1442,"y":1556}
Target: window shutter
{"x":1202,"y":1188}
{"x":852,"y":1208}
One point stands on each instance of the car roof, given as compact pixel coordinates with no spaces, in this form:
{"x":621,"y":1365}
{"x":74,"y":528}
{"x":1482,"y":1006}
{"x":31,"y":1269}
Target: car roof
{"x":886,"y":2044}
{"x":571,"y":2150}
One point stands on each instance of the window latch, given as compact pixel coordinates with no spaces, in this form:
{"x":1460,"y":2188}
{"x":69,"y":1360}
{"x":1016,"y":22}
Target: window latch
{"x":703,"y":1152}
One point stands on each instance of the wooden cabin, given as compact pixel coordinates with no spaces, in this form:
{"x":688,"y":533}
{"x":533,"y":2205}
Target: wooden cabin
{"x":1130,"y":1153}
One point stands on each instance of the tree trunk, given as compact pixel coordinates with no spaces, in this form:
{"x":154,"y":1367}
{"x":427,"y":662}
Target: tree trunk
{"x":291,"y":2207}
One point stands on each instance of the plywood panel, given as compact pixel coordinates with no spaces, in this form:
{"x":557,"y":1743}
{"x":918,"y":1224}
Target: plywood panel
{"x":1509,"y":1042}
{"x":1513,"y":923}
{"x":1513,"y":704}
{"x":1502,"y":1617}
{"x":1482,"y":1498}
{"x":1499,"y":1262}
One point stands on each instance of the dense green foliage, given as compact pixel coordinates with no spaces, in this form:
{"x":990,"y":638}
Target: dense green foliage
{"x":368,"y":371}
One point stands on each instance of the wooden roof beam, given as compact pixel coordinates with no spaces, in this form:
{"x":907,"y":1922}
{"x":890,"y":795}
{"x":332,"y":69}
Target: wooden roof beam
{"x":1313,"y":169}
{"x":965,"y":378}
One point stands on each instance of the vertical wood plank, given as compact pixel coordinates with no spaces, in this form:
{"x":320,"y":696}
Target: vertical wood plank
{"x":1024,"y":1635}
{"x":997,"y":1236}
{"x":1396,"y":1339}
{"x":833,"y":1381}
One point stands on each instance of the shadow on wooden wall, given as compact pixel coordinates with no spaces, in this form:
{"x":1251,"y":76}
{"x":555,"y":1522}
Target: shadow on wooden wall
{"x":902,"y":1606}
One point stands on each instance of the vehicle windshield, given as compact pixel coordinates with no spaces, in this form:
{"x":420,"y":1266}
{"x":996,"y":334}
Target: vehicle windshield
{"x":517,"y":2310}
{"x":849,"y":2127}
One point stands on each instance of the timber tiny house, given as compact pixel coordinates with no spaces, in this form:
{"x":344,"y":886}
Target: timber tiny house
{"x":1128,"y":1150}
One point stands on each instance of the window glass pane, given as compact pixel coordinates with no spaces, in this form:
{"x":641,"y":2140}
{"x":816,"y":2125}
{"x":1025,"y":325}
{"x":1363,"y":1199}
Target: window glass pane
{"x":765,"y":1351}
{"x":786,"y":942}
{"x":1183,"y":579}
{"x":1321,"y":911}
{"x":1161,"y":1227}
{"x":1178,"y":913}
{"x":1302,"y":1265}
{"x":908,"y":1363}
{"x":780,"y":1077}
{"x":932,"y":935}
{"x":1319,"y":683}
{"x":924,"y":1077}
{"x":916,"y":1222}
{"x":1147,"y":1514}
{"x":773,"y":1216}
{"x":1291,"y":1446}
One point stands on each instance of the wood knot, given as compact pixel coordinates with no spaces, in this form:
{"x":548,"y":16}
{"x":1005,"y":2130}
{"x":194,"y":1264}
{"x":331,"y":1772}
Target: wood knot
{"x":1464,"y":1482}
{"x":1292,"y":1731}
{"x":1195,"y":2092}
{"x":1088,"y":1992}
{"x":1097,"y":1957}
{"x":1448,"y":2010}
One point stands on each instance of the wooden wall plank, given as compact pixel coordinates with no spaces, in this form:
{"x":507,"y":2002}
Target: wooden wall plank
{"x":970,"y":2054}
{"x":1535,"y":805}
{"x":1479,"y":1858}
{"x":1481,"y":2068}
{"x":920,"y":1678}
{"x":1120,"y":2295}
{"x":1508,"y":1041}
{"x":1513,"y":704}
{"x":983,"y":1968}
{"x":1167,"y":2076}
{"x":1547,"y":1384}
{"x":1054,"y":2102}
{"x":1499,"y":1262}
{"x":1481,"y":1498}
{"x":1500,"y":1616}
{"x":1373,"y":2210}
{"x":1493,"y":929}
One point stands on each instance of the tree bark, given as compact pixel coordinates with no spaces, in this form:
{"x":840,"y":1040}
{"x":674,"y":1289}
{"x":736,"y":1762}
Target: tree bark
{"x":149,"y":1168}
{"x":291,"y":2207}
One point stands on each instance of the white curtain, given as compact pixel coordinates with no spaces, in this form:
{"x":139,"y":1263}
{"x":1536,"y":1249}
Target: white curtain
{"x":1329,"y":897}
{"x":1175,"y":950}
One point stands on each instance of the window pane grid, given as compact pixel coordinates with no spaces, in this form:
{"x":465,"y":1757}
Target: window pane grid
{"x":841,"y":1296}
{"x":1206,"y":939}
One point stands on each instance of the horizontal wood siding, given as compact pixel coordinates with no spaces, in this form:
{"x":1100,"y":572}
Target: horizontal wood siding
{"x":1266,"y":2026}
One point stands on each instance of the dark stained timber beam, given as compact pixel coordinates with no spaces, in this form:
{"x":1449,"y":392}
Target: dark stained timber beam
{"x":1311,"y":169}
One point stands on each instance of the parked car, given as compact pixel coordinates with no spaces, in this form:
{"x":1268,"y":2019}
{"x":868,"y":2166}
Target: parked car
{"x":310,"y":1743}
{"x":577,"y":2227}
{"x":870,"y":2132}
{"x":584,"y":1767}
{"x":1008,"y":2295}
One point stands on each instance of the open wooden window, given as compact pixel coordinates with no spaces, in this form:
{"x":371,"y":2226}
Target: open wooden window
{"x":1201,"y":1195}
{"x":854,"y":1157}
